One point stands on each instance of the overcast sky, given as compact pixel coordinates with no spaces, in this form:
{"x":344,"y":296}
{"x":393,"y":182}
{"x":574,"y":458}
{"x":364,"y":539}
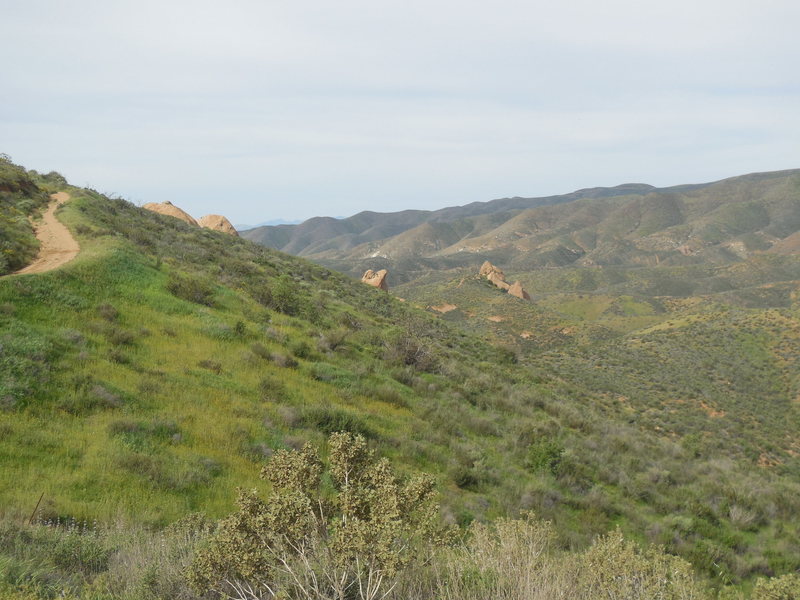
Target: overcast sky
{"x":272,"y":109}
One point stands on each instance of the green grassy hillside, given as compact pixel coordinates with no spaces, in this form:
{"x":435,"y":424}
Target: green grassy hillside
{"x":155,"y":373}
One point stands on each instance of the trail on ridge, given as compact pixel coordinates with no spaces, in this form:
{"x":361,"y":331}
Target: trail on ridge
{"x":58,"y":246}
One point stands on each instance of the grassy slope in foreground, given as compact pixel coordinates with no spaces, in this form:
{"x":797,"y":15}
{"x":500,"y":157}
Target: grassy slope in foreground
{"x":153,"y":374}
{"x":123,"y":398}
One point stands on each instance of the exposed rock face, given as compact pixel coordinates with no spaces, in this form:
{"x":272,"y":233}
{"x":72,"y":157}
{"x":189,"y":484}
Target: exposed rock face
{"x":169,"y":209}
{"x":487,"y":268}
{"x":376,"y":279}
{"x":217,"y":223}
{"x":498,"y":279}
{"x":494,"y":274}
{"x":516,"y":290}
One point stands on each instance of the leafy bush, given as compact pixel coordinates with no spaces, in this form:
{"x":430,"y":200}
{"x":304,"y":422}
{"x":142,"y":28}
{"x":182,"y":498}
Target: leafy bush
{"x":544,"y":455}
{"x":353,"y":542}
{"x":285,"y":297}
{"x":616,"y":568}
{"x":329,"y":420}
{"x":786,"y":587}
{"x":191,"y":288}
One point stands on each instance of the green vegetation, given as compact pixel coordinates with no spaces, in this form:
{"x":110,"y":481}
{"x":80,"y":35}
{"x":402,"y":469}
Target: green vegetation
{"x":350,"y":542}
{"x":340,"y":527}
{"x":20,"y":199}
{"x":154,"y":375}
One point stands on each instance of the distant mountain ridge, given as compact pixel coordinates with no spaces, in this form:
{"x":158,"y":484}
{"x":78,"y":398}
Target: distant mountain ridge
{"x":308,"y":237}
{"x":632,"y":224}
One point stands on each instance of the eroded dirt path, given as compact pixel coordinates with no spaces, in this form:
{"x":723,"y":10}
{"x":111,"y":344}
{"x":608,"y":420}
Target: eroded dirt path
{"x":58,"y":246}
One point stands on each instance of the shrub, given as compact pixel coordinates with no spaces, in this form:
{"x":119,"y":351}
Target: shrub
{"x":304,"y":543}
{"x":193,"y":289}
{"x":283,"y":360}
{"x":120,"y":337}
{"x":544,"y":455}
{"x":271,"y":389}
{"x":786,"y":587}
{"x":330,"y":420}
{"x":108,"y":312}
{"x":411,"y":351}
{"x":211,"y":365}
{"x":260,"y":350}
{"x":300,"y":348}
{"x":285,"y":298}
{"x":616,"y":568}
{"x":504,"y":559}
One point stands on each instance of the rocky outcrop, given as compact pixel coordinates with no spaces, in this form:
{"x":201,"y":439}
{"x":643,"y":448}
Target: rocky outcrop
{"x":498,"y":279}
{"x":494,"y":274}
{"x":487,"y":268}
{"x":169,"y":209}
{"x":376,"y":279}
{"x":516,"y":290}
{"x":217,"y":223}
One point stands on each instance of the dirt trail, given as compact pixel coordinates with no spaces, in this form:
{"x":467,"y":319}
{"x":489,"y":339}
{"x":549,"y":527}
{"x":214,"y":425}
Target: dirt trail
{"x":58,"y":246}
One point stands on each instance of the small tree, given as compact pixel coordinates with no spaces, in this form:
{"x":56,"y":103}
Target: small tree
{"x":339,"y":533}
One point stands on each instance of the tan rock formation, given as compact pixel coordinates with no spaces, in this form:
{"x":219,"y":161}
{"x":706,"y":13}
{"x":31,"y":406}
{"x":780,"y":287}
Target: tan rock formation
{"x":376,"y":279}
{"x":169,"y":209}
{"x":498,"y":279}
{"x":217,"y":223}
{"x":517,"y":290}
{"x":488,"y":267}
{"x":494,"y":274}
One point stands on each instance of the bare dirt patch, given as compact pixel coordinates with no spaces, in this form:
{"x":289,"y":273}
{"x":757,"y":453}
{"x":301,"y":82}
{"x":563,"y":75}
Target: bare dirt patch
{"x":444,"y":308}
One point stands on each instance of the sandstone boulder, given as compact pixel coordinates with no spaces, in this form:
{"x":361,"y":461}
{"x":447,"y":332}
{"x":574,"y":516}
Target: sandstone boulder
{"x":169,"y":209}
{"x":376,"y":279}
{"x":217,"y":223}
{"x":498,"y":279}
{"x":517,"y":290}
{"x":487,"y":268}
{"x":494,"y":274}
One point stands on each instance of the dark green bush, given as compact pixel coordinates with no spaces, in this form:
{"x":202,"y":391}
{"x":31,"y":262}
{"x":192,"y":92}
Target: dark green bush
{"x":330,"y":420}
{"x":544,"y":455}
{"x":191,"y":288}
